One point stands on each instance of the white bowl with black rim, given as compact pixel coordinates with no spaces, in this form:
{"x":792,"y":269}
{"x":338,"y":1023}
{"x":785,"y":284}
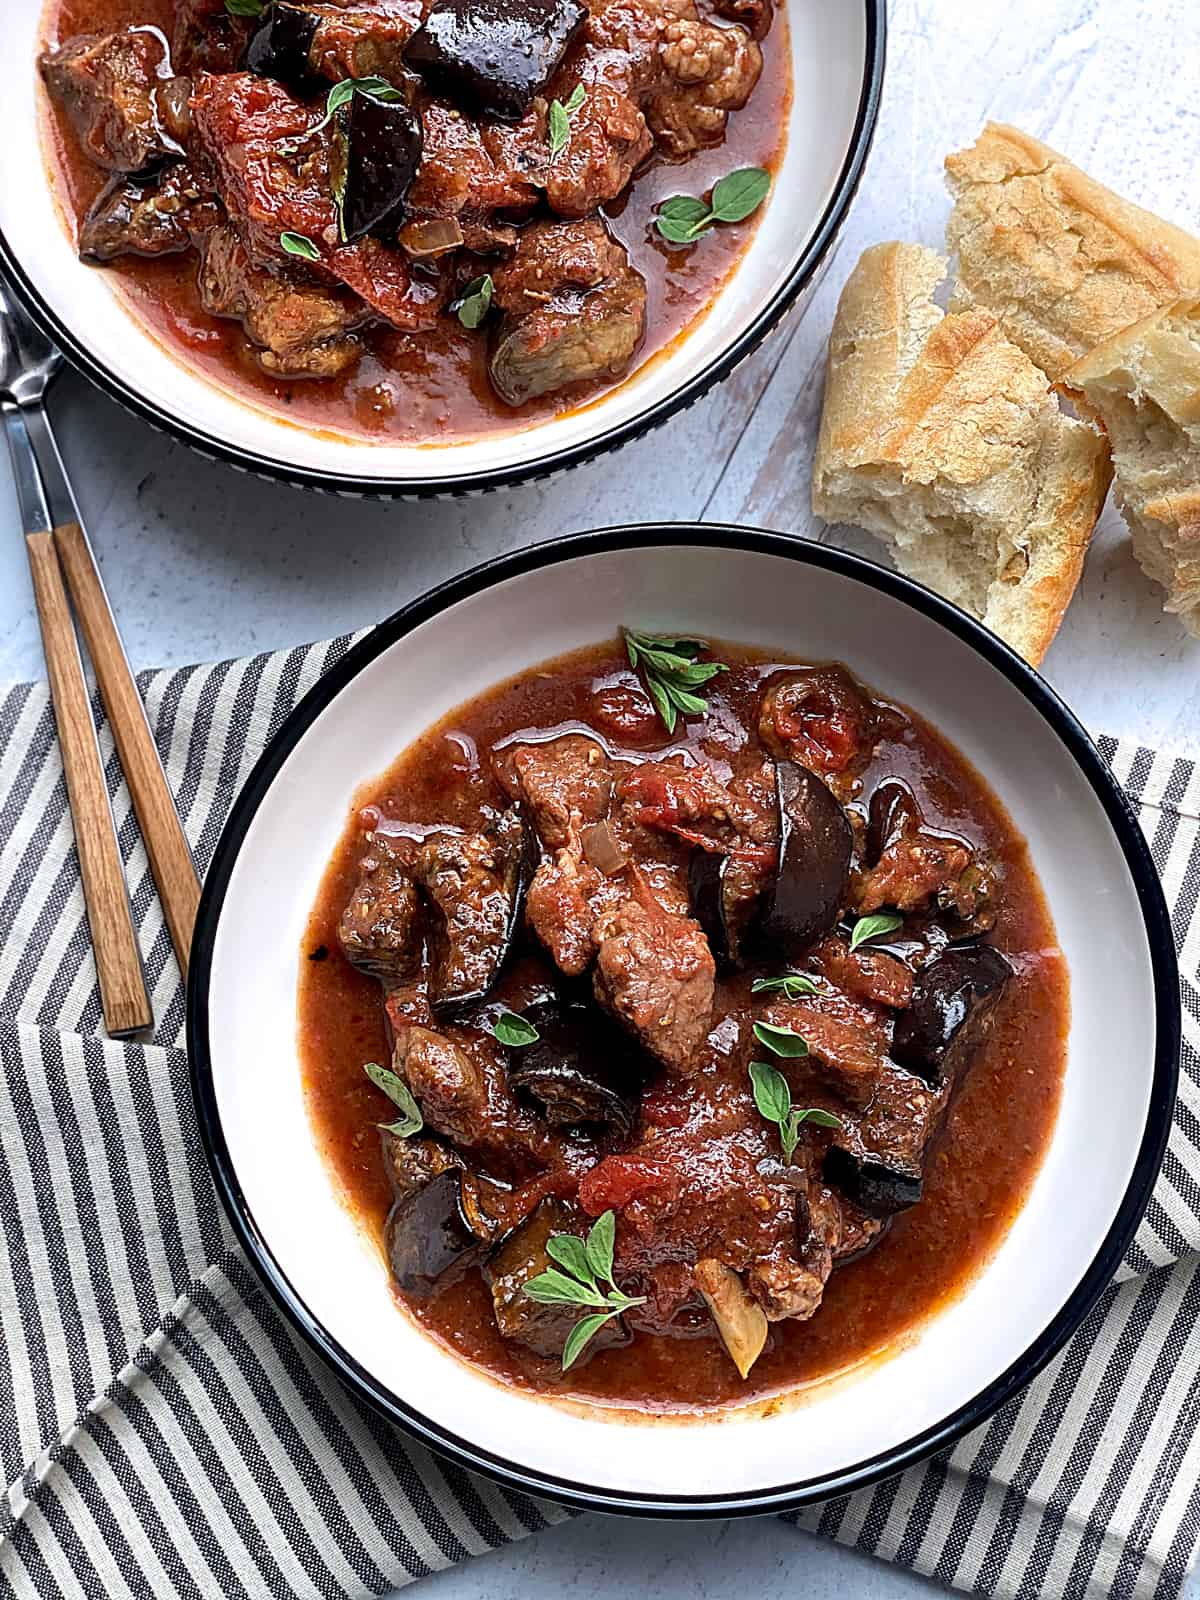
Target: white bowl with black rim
{"x":786,"y":596}
{"x":837,"y":66}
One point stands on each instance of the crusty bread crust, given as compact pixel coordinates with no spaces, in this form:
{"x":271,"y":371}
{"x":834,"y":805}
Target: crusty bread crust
{"x":1061,"y":261}
{"x":1145,"y":386}
{"x":943,"y":438}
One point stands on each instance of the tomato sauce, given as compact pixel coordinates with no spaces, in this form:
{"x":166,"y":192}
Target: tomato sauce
{"x":981,"y":1169}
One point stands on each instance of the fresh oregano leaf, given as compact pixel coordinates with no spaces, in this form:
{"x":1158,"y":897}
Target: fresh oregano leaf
{"x":780,"y":1041}
{"x":514,"y":1031}
{"x":601,"y":1241}
{"x":581,"y":1333}
{"x":400,"y":1095}
{"x":297,"y":244}
{"x":475,"y":301}
{"x":739,"y":193}
{"x":874,"y":927}
{"x":793,"y":985}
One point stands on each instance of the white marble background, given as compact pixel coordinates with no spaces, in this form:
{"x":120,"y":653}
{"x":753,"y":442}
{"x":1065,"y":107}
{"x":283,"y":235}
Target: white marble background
{"x":202,"y":562}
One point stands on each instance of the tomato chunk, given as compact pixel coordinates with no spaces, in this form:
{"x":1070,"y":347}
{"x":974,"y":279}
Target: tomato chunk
{"x":818,"y":717}
{"x":617,"y":1180}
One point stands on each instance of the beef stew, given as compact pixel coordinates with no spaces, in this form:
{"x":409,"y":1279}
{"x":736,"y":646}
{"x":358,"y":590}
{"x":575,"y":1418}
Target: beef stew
{"x":406,"y":221}
{"x":697,"y":1139}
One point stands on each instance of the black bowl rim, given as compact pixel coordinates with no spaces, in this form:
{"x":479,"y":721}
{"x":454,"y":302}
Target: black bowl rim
{"x":811,"y":259}
{"x":1129,"y":836}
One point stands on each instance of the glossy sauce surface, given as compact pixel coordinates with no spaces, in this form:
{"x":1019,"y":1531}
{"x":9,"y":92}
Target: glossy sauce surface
{"x":999,"y":1124}
{"x":430,"y":388}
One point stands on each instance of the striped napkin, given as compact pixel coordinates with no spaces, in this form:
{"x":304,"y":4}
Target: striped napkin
{"x":164,"y":1433}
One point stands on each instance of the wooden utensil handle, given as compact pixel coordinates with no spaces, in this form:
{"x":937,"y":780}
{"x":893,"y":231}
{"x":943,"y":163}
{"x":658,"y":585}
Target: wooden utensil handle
{"x":166,"y":846}
{"x":114,"y":940}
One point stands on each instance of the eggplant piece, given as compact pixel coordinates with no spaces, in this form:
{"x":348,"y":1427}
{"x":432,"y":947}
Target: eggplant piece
{"x":877,"y":1157}
{"x":522,"y":1255}
{"x":706,"y":892}
{"x":880,"y":1187}
{"x":375,"y":157}
{"x":893,"y":812}
{"x":477,"y":882}
{"x":280,"y":47}
{"x":412,"y":1163}
{"x":816,"y":843}
{"x":578,"y":336}
{"x":437,"y":1229}
{"x":380,"y":928}
{"x":952,"y":1004}
{"x":582,"y":1070}
{"x":493,"y":56}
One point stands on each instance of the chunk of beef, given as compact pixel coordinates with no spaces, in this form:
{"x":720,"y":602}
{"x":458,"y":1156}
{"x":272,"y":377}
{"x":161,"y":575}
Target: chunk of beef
{"x":459,"y":1080}
{"x":708,"y":71}
{"x":300,"y":330}
{"x":685,"y":73}
{"x":476,"y":881}
{"x":582,"y":331}
{"x":272,"y":173}
{"x":112,"y":87}
{"x":864,"y":974}
{"x":828,"y":1229}
{"x":252,"y":139}
{"x":820,"y":718}
{"x":878,"y":1158}
{"x":159,"y":216}
{"x":656,"y":974}
{"x":363,"y":41}
{"x":609,"y":141}
{"x":379,"y":931}
{"x":470,"y":171}
{"x":565,"y":783}
{"x":687,"y":798}
{"x":790,"y":1281}
{"x":562,"y":909}
{"x":847,"y":1040}
{"x":206,"y":38}
{"x":522,"y":1256}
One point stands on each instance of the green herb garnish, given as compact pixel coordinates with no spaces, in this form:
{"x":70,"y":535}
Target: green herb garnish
{"x":792,"y":984}
{"x":514,"y":1031}
{"x":558,"y":125}
{"x":245,"y":8}
{"x":780,"y":1041}
{"x":475,"y":301}
{"x":298,"y":244}
{"x":588,"y":1265}
{"x":773,"y":1098}
{"x":342,"y":93}
{"x":672,"y":673}
{"x":872,"y":927}
{"x":400,"y":1095}
{"x":683,"y":218}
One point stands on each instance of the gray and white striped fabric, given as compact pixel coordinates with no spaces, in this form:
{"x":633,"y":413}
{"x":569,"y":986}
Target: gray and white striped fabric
{"x":164,"y":1433}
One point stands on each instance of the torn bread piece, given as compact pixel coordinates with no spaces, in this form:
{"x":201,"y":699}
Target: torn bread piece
{"x":1061,"y":261}
{"x":1145,"y":386}
{"x":940,"y":436}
